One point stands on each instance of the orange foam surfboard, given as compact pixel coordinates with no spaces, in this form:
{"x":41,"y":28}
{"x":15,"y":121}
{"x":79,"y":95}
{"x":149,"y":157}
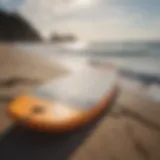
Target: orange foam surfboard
{"x":65,"y":103}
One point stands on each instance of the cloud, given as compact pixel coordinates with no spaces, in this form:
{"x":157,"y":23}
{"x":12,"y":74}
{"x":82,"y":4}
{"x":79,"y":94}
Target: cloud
{"x":55,"y":6}
{"x":63,"y":7}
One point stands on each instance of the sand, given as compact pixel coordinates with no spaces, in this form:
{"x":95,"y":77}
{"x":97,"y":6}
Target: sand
{"x":20,"y":72}
{"x":131,"y":130}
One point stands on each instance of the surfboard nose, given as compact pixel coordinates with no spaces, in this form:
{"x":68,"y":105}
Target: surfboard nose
{"x":26,"y":105}
{"x":42,"y":114}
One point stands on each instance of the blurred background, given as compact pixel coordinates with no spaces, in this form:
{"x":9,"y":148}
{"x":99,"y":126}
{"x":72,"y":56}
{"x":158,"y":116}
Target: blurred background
{"x":103,"y":27}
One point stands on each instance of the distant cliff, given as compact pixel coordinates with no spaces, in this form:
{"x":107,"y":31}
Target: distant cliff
{"x":14,"y":28}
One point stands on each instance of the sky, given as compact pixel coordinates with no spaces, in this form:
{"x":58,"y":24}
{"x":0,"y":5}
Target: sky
{"x":95,"y":20}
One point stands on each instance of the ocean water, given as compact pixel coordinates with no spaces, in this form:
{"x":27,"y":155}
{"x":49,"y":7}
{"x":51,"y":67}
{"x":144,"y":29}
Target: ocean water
{"x":99,"y":49}
{"x":139,"y":56}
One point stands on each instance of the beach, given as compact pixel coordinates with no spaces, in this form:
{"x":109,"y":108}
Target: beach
{"x":130,"y":130}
